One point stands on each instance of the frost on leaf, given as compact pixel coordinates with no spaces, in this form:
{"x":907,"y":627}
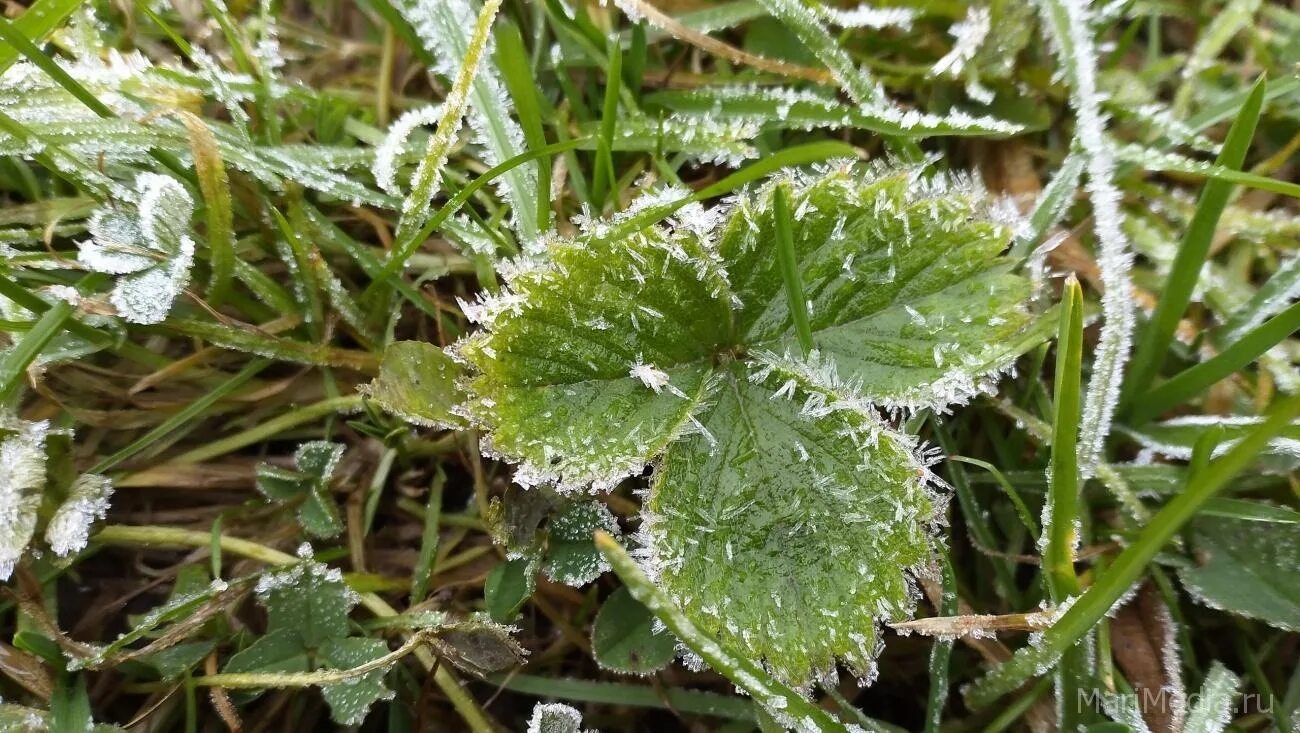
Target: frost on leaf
{"x":572,"y":557}
{"x":777,"y":488}
{"x":22,"y":481}
{"x":308,"y":483}
{"x":417,"y":382}
{"x":147,"y":244}
{"x":69,"y":528}
{"x":555,"y":718}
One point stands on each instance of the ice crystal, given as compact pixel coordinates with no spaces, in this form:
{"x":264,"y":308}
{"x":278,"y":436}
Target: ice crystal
{"x":22,"y":480}
{"x":968,"y":34}
{"x":147,"y":244}
{"x":69,"y":528}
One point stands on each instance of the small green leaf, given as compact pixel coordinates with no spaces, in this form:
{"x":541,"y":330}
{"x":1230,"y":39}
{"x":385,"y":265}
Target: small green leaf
{"x":508,"y":586}
{"x":571,"y":557}
{"x":417,"y":382}
{"x":350,"y":701}
{"x":279,"y":651}
{"x":307,"y":599}
{"x":315,"y":462}
{"x":1248,"y":568}
{"x":623,"y":638}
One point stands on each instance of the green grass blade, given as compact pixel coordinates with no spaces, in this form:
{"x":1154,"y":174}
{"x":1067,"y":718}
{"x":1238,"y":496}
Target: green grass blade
{"x":1063,"y":488}
{"x":429,"y":539}
{"x":1061,"y":523}
{"x":38,"y":22}
{"x":794,"y":292}
{"x":1186,"y":270}
{"x":522,"y":87}
{"x":1195,"y":380}
{"x":803,"y":22}
{"x":604,"y":175}
{"x":191,"y":411}
{"x":1127,"y":569}
{"x":941,"y":652}
{"x":14,"y":361}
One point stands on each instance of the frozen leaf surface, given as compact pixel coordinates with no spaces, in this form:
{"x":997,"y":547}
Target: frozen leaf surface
{"x":778,"y":489}
{"x":147,"y":245}
{"x":572,"y":557}
{"x":69,"y":528}
{"x":22,"y":480}
{"x":555,"y":718}
{"x":1247,"y":568}
{"x":307,"y":483}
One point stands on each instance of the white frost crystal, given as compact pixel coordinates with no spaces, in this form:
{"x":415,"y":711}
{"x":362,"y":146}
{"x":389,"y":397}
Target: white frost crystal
{"x":555,"y":718}
{"x":385,"y":166}
{"x":69,"y":529}
{"x":149,"y":248}
{"x":968,"y":35}
{"x":22,"y":477}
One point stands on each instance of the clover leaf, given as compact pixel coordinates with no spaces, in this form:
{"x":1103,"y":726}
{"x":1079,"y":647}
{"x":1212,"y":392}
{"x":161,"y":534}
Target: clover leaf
{"x":307,"y":606}
{"x":147,"y":244}
{"x":785,"y":515}
{"x":308,"y":483}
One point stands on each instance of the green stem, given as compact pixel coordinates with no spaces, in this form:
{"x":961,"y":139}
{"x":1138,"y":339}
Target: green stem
{"x":794,"y":292}
{"x":1063,"y":496}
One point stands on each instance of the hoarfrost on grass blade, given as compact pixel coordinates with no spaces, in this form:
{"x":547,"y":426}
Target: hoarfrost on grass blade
{"x":394,"y":144}
{"x":868,"y":16}
{"x":22,"y":481}
{"x":1070,"y":27}
{"x":1212,"y":711}
{"x":444,"y":27}
{"x":87,"y":502}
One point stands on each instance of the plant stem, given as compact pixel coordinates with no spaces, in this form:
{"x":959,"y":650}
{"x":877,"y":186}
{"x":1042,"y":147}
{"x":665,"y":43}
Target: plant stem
{"x":794,"y":291}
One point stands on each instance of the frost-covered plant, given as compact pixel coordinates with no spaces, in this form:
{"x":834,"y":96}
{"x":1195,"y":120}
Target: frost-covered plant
{"x":784,"y":514}
{"x":22,"y":494}
{"x":308,"y":485}
{"x":22,"y":479}
{"x":146,"y":243}
{"x":555,"y":718}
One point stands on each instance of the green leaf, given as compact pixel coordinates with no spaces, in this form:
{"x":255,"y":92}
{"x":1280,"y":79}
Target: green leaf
{"x":307,"y":599}
{"x":1175,"y":438}
{"x":507,"y":587}
{"x":309,"y":484}
{"x":350,"y":701}
{"x":1248,"y":568}
{"x":278,"y":651}
{"x":417,"y":382}
{"x":70,"y":705}
{"x":777,"y":488}
{"x":623,"y":638}
{"x":572,"y":558}
{"x":1212,"y":711}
